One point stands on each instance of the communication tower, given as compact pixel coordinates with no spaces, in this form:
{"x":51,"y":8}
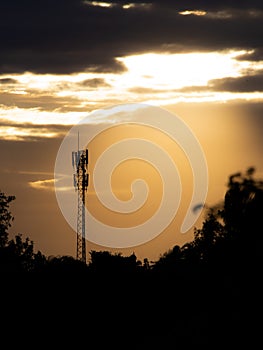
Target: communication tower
{"x":80,"y":180}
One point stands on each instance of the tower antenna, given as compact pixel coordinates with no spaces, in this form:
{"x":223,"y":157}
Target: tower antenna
{"x":80,"y":180}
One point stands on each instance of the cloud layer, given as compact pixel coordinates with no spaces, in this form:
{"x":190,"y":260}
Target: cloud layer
{"x":67,"y":36}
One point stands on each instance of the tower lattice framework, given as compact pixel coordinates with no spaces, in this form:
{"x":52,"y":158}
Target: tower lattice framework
{"x":80,"y":178}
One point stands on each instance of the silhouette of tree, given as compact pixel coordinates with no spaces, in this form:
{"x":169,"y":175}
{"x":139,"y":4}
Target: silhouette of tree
{"x":107,"y":262}
{"x":225,"y":229}
{"x":230,"y":234}
{"x":146,"y":264}
{"x":65,"y":266}
{"x":5,"y":217}
{"x":168,"y":261}
{"x":197,"y":294}
{"x":243,"y":206}
{"x":206,"y":238}
{"x":17,"y":254}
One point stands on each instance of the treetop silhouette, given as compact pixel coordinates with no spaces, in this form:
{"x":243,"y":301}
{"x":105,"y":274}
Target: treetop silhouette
{"x":225,"y":231}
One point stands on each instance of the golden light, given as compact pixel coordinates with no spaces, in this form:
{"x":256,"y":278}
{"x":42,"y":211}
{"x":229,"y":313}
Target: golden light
{"x":136,"y":5}
{"x":19,"y":133}
{"x":42,"y":184}
{"x":37,"y":117}
{"x":174,"y":71}
{"x":153,"y":78}
{"x":210,"y":97}
{"x":192,"y":12}
{"x":128,"y":6}
{"x":99,"y":4}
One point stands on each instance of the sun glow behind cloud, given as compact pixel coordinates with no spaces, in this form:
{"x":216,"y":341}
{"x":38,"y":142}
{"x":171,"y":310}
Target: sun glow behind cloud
{"x":36,"y":117}
{"x":15,"y":133}
{"x":192,"y":12}
{"x":158,"y":79}
{"x":99,"y":3}
{"x":125,"y":6}
{"x":174,"y":71}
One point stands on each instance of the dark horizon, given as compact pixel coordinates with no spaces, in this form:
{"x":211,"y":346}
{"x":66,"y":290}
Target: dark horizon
{"x":206,"y":293}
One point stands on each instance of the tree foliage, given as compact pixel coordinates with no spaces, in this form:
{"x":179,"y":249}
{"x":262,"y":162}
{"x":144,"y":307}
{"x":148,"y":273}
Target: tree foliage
{"x":6,"y":217}
{"x":228,"y":230}
{"x":16,"y":254}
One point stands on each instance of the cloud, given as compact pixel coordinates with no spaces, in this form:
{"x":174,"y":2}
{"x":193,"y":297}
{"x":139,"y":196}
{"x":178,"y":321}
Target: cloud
{"x":94,"y":83}
{"x":145,"y":90}
{"x":255,"y":55}
{"x":51,"y":92}
{"x":43,"y":102}
{"x":246,"y":83}
{"x":122,"y":4}
{"x":48,"y":185}
{"x":42,"y":184}
{"x":7,"y":81}
{"x":68,"y":36}
{"x":26,"y":172}
{"x":192,"y":12}
{"x":11,"y":131}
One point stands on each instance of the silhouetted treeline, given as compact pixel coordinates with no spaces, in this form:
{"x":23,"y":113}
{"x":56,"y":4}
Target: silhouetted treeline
{"x":205,"y":293}
{"x":229,"y":232}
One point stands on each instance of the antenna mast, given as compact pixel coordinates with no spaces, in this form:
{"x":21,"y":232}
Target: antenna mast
{"x":80,"y":179}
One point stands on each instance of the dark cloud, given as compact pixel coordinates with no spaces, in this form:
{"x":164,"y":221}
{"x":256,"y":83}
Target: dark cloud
{"x":45,"y":102}
{"x":8,"y":81}
{"x":191,"y":4}
{"x":67,"y":36}
{"x":94,"y":83}
{"x":247,"y":83}
{"x":255,"y":55}
{"x":42,"y":102}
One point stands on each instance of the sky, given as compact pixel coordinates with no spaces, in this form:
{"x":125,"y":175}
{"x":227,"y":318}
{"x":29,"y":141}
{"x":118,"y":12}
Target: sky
{"x":65,"y":61}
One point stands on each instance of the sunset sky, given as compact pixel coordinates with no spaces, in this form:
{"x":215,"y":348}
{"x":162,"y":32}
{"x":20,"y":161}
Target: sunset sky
{"x":64,"y":60}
